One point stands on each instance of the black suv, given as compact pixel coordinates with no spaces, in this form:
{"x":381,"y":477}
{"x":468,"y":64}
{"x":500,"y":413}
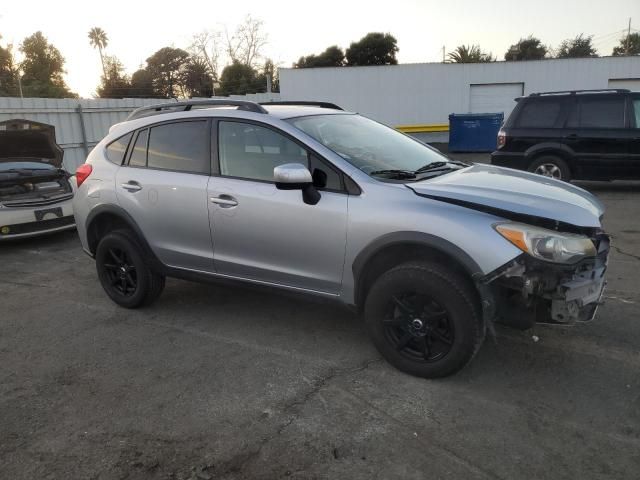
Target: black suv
{"x":583,"y":135}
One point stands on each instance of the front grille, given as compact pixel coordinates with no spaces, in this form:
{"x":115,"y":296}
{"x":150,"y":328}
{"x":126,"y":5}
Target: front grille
{"x":38,"y":203}
{"x":31,"y":227}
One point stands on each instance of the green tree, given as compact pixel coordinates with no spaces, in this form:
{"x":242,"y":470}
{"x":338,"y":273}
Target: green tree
{"x":43,"y":67}
{"x":470,"y":54}
{"x":331,"y":57}
{"x":373,"y":49}
{"x":98,"y":39}
{"x":142,"y":84}
{"x":530,"y":48}
{"x":577,"y":47}
{"x":166,"y":67}
{"x":8,"y":73}
{"x":629,"y":45}
{"x":240,"y":79}
{"x":197,"y":78}
{"x":114,"y":83}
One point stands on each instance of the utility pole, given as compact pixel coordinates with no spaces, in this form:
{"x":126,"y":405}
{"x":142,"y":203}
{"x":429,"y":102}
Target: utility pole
{"x":443,"y":58}
{"x":19,"y":83}
{"x":628,"y":37}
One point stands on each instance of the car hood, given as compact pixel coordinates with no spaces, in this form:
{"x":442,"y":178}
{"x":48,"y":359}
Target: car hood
{"x":504,"y":191}
{"x":29,"y":141}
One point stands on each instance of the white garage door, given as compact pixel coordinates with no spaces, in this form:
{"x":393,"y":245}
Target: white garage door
{"x":494,"y":97}
{"x":630,"y":83}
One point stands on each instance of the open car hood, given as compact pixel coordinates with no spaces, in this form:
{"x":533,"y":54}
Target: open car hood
{"x":29,"y":141}
{"x":504,"y":191}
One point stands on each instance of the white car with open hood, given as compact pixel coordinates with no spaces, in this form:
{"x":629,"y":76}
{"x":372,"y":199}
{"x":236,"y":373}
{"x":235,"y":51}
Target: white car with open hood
{"x":35,"y":191}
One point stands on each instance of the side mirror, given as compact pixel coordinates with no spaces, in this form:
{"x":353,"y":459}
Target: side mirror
{"x":291,"y":176}
{"x":295,"y":176}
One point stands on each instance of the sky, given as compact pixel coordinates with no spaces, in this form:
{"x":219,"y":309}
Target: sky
{"x":137,"y":29}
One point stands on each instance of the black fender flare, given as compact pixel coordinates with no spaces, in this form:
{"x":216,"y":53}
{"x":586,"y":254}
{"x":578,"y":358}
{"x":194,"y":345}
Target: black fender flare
{"x":123,"y":215}
{"x":433,"y":242}
{"x":552,"y":148}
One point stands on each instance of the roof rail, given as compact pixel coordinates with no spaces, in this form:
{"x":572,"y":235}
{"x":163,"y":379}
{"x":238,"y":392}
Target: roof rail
{"x":187,"y":105}
{"x":573,"y":92}
{"x":305,"y":103}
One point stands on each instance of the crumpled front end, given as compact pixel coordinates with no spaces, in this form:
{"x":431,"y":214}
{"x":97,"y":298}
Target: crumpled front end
{"x":529,"y":290}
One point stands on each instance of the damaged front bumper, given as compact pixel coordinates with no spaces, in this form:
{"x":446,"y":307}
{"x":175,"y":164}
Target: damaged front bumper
{"x":529,"y":291}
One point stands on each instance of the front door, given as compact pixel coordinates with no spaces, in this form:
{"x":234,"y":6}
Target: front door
{"x":163,"y":186}
{"x":269,"y":235}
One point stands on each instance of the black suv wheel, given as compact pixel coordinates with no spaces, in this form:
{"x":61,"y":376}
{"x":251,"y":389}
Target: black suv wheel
{"x":424,"y":319}
{"x":123,"y":273}
{"x":551,"y":166}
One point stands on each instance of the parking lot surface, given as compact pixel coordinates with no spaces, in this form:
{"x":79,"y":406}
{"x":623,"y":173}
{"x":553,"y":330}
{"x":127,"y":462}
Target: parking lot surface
{"x":220,"y":382}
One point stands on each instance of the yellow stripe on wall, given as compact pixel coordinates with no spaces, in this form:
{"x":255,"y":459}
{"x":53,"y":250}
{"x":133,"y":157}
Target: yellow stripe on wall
{"x":424,"y":128}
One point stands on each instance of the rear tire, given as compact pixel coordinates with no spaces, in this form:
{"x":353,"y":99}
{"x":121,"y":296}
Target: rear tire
{"x":551,"y":166}
{"x":424,"y":319}
{"x":123,"y":273}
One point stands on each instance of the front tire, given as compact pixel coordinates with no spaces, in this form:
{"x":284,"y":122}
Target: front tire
{"x":123,"y":273}
{"x":424,"y":319}
{"x":551,"y":166}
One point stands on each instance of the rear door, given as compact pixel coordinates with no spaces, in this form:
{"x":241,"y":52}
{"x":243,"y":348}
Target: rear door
{"x":163,"y":186}
{"x":598,"y":131}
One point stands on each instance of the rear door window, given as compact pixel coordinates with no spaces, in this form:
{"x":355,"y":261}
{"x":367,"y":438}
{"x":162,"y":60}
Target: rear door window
{"x":180,"y":146}
{"x":597,"y":112}
{"x":138,"y":156}
{"x":540,"y":113}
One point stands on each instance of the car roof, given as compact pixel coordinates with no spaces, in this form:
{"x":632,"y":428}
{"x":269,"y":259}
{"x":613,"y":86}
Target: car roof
{"x":291,"y":111}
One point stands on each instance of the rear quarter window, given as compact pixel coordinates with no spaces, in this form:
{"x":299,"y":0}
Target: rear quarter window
{"x":115,"y":150}
{"x":540,"y":113}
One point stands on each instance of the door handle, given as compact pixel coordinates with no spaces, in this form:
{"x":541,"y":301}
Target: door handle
{"x":571,"y":136}
{"x":131,"y":186}
{"x":225,"y":201}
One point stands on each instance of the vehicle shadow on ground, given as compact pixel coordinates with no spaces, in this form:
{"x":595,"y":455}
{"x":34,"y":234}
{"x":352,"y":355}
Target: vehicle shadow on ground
{"x":612,"y":187}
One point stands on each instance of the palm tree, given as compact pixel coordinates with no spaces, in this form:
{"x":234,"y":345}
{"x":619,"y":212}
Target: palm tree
{"x":98,"y":39}
{"x":469,"y":54}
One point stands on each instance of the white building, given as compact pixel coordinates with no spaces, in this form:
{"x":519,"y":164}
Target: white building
{"x":419,"y":97}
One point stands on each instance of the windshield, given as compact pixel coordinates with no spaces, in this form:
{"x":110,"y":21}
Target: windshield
{"x":372,"y":147}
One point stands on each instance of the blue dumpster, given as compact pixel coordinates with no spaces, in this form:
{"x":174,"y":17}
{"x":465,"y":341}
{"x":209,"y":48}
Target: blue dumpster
{"x":474,"y":132}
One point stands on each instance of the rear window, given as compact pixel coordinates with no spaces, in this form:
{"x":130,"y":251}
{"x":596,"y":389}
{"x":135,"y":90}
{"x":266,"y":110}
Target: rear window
{"x":182,"y":146}
{"x":597,"y":113}
{"x":540,"y":113}
{"x":117,"y":148}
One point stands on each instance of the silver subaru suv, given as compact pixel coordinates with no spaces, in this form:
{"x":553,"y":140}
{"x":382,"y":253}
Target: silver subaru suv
{"x":307,"y":197}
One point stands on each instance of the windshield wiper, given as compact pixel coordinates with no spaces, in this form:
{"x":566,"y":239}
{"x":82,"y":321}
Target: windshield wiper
{"x":438,"y":165}
{"x":399,"y":174}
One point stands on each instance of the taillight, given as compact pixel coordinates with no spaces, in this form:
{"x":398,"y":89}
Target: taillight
{"x":82,"y":173}
{"x":502,"y":138}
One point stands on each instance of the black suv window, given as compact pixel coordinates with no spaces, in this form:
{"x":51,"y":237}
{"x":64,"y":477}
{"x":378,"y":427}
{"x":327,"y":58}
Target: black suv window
{"x":117,"y":149}
{"x":636,"y":109}
{"x":540,"y":113}
{"x":597,"y":112}
{"x":181,"y":146}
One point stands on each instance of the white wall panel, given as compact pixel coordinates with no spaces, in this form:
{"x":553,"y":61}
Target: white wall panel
{"x":428,"y":92}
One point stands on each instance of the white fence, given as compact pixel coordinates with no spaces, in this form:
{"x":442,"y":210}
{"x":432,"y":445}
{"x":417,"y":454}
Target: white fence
{"x":80,"y":124}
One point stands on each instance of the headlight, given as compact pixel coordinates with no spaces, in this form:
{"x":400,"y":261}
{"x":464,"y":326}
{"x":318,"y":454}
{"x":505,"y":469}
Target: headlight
{"x":547,"y":244}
